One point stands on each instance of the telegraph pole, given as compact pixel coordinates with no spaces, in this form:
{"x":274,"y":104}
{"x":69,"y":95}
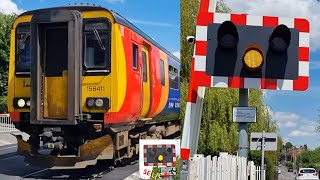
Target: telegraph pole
{"x":262,"y":156}
{"x":243,"y":126}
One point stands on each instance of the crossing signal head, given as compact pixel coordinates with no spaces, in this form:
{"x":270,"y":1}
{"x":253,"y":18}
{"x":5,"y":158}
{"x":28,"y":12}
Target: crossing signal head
{"x":280,"y":39}
{"x":252,"y":51}
{"x":253,"y":58}
{"x":228,"y":35}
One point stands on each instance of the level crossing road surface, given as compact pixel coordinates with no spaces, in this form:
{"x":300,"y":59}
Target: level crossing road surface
{"x":13,"y":167}
{"x":285,"y":175}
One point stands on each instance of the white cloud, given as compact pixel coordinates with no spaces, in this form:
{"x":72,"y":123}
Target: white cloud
{"x":9,"y":7}
{"x":115,"y":1}
{"x":289,"y":124}
{"x":285,"y":117}
{"x":298,"y":133}
{"x":284,"y":8}
{"x":177,"y":54}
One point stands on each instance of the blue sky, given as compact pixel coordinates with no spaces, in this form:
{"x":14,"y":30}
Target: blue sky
{"x":159,"y":19}
{"x":295,"y":112}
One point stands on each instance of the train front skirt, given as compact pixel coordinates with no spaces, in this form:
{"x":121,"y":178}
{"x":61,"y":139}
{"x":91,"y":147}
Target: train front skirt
{"x":88,"y":154}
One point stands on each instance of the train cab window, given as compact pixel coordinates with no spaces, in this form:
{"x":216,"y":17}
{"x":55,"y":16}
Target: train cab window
{"x":97,"y":45}
{"x":135,"y":56}
{"x":23,"y":50}
{"x":173,"y":77}
{"x":144,"y":66}
{"x":162,"y":72}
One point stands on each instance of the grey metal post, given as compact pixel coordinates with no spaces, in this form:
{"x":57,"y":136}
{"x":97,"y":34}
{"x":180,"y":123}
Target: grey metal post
{"x":243,"y":126}
{"x":262,"y":156}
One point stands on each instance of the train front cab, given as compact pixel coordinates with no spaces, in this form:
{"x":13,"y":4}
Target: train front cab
{"x":53,"y":98}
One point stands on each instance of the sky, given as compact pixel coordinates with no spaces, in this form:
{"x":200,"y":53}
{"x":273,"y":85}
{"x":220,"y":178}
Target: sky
{"x":296,"y":113}
{"x":159,"y":19}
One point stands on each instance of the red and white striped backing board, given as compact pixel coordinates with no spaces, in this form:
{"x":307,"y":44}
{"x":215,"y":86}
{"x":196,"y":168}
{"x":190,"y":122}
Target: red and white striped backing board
{"x":164,"y":146}
{"x":199,"y":78}
{"x":200,"y":52}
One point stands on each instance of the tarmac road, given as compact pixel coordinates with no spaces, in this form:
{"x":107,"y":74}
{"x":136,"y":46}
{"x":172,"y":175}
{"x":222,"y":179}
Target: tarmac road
{"x":285,"y":175}
{"x":13,"y":167}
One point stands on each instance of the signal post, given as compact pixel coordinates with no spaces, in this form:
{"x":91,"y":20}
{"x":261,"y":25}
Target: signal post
{"x":245,"y":52}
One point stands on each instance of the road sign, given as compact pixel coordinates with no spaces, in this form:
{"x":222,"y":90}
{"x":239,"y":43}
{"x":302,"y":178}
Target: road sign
{"x":269,"y":138}
{"x":245,"y":51}
{"x":244,"y":114}
{"x":157,"y":153}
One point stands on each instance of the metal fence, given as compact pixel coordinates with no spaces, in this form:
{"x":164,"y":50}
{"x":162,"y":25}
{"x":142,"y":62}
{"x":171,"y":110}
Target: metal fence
{"x":223,"y":167}
{"x":6,"y":124}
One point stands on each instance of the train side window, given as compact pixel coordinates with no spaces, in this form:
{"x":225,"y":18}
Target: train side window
{"x":162,"y":72}
{"x":97,"y":45}
{"x":175,"y":71}
{"x":135,"y":56}
{"x":173,"y":77}
{"x":144,"y":68}
{"x":23,"y":49}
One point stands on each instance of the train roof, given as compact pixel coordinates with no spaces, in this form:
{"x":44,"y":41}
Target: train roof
{"x":118,"y":18}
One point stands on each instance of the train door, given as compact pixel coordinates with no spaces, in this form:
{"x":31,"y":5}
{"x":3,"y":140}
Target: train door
{"x":145,"y":81}
{"x":55,"y":71}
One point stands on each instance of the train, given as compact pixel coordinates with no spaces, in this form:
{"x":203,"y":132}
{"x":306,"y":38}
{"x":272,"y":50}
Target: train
{"x":86,"y":85}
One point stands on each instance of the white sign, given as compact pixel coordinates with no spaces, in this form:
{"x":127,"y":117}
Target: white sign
{"x":244,"y":114}
{"x":171,"y":171}
{"x":270,"y":143}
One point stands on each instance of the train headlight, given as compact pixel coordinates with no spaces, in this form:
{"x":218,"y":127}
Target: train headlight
{"x":28,"y":103}
{"x":21,"y":102}
{"x":99,"y":102}
{"x":90,"y":103}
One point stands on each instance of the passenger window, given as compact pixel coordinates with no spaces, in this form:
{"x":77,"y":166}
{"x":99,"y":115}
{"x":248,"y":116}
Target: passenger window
{"x":173,"y":77}
{"x":135,"y":56}
{"x":162,"y":72}
{"x":144,"y":68}
{"x":97,"y":43}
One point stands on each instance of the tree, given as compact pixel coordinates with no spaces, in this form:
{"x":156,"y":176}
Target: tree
{"x":288,"y":145}
{"x":5,"y":23}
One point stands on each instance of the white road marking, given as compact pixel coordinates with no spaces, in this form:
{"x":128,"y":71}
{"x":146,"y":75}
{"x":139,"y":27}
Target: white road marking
{"x":37,"y":172}
{"x":133,"y":176}
{"x":5,"y":142}
{"x":9,"y":158}
{"x":8,"y":147}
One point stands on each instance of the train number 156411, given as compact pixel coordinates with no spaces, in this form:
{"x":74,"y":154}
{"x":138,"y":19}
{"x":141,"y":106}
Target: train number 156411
{"x":95,"y":88}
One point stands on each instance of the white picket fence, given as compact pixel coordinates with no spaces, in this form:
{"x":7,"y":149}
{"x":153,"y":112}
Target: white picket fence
{"x":6,"y":124}
{"x":254,"y":172}
{"x":224,"y":167}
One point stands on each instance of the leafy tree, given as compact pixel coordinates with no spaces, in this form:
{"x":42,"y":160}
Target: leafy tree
{"x":5,"y":23}
{"x":288,"y":145}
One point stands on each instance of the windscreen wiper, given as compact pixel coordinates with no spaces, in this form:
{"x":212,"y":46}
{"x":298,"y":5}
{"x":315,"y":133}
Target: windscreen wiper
{"x":22,"y":43}
{"x":96,"y":33}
